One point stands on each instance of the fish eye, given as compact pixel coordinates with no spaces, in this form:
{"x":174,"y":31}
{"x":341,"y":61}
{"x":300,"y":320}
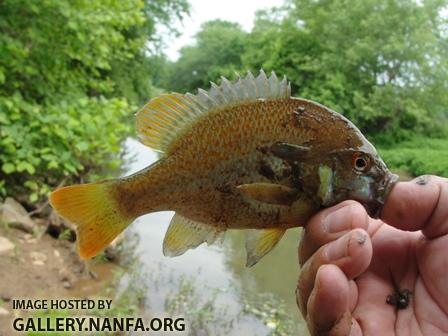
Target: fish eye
{"x":360,"y":162}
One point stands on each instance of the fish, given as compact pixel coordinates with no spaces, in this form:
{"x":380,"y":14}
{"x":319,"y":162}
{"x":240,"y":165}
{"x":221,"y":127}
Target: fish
{"x":243,"y":155}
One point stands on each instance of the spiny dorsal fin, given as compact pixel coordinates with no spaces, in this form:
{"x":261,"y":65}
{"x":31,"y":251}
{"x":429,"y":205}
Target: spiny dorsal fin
{"x":184,"y":234}
{"x":261,"y":242}
{"x":161,"y":120}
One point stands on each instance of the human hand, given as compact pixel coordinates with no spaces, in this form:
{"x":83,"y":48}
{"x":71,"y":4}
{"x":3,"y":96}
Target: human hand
{"x":361,"y":276}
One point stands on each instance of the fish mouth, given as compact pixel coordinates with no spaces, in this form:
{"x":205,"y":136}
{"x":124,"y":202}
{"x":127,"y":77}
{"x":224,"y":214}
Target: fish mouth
{"x":375,"y":207}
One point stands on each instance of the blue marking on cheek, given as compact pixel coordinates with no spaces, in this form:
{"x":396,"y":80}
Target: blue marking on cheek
{"x":362,"y":190}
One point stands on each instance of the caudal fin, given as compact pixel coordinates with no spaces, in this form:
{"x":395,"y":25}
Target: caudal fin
{"x":92,"y":208}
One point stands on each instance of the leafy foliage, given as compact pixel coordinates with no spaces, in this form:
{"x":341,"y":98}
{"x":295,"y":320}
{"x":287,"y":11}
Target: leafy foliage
{"x":43,"y":143}
{"x":70,"y":74}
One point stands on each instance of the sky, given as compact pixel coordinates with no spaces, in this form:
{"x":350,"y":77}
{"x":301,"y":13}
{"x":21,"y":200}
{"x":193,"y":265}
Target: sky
{"x":241,"y":11}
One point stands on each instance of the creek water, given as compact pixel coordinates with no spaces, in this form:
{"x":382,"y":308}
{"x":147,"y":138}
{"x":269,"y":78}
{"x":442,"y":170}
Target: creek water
{"x":238,"y":300}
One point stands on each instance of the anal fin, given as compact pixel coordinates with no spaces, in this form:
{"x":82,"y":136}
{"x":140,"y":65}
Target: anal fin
{"x":261,"y":242}
{"x":184,"y":234}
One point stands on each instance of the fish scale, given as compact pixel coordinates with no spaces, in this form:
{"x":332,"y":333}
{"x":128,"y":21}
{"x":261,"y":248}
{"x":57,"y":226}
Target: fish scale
{"x":243,"y":155}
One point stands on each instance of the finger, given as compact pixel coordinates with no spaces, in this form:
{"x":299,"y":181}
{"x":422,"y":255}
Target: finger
{"x":329,"y":303}
{"x":329,"y":225}
{"x":351,"y":253}
{"x":420,"y":204}
{"x":432,"y":261}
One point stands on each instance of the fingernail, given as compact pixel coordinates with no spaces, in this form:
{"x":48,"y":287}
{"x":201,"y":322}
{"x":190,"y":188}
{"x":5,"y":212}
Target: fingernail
{"x":338,"y":220}
{"x":339,"y":248}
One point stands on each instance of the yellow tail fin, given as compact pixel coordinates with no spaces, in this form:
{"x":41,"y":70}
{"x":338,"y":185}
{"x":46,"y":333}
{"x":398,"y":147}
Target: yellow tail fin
{"x":92,"y":208}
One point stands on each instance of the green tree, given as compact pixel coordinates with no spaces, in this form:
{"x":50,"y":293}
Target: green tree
{"x":135,"y":76}
{"x":217,"y":52}
{"x":65,"y":101}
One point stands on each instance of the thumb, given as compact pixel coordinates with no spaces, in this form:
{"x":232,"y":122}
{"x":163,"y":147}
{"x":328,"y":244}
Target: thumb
{"x":420,"y":204}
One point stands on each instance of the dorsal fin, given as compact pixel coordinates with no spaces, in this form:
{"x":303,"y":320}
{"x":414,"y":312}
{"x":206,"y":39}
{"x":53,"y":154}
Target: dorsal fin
{"x":162,"y":119}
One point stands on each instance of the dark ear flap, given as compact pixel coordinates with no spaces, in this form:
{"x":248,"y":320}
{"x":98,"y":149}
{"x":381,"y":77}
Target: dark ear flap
{"x":289,"y":152}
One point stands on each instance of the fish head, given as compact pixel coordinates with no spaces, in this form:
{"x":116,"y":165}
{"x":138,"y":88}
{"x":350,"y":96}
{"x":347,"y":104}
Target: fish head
{"x":358,"y":174}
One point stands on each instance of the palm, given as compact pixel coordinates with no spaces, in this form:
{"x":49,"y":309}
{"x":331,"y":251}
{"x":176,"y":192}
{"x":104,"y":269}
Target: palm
{"x":403,"y":261}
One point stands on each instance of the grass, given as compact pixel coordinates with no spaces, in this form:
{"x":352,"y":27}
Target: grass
{"x":66,"y":234}
{"x":418,"y":156}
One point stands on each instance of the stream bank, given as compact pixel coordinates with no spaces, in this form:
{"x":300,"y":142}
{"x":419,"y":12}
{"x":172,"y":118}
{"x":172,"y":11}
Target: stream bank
{"x":34,"y":264}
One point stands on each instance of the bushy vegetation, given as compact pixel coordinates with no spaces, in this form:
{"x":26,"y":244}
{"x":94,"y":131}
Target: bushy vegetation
{"x":71,"y":73}
{"x":418,"y":156}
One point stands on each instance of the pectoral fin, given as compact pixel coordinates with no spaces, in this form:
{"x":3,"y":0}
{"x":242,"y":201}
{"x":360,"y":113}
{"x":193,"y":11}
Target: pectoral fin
{"x":289,"y":152}
{"x":261,"y":242}
{"x":269,"y":193}
{"x":300,"y":211}
{"x":184,"y":234}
